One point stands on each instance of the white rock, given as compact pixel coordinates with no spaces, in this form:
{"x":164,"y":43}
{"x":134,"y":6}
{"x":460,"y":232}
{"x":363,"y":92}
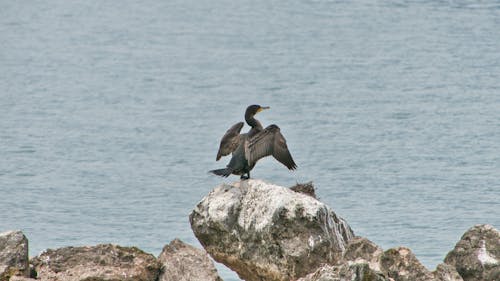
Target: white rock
{"x":266,"y":231}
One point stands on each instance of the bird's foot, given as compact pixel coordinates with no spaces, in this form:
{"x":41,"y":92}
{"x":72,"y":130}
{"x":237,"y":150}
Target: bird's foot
{"x":243,"y":177}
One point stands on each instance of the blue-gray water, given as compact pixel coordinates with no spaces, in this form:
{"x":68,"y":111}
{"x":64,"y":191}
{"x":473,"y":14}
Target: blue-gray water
{"x":111,"y":113}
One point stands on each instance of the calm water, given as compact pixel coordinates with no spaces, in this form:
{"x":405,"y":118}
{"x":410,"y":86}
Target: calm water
{"x":112,"y":112}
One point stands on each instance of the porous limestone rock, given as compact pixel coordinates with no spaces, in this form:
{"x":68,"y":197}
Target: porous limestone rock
{"x":268,"y":232}
{"x":361,"y":250}
{"x":401,"y":264}
{"x":345,"y":272}
{"x":446,"y":272}
{"x":183,"y":262}
{"x":97,"y":263}
{"x":477,"y":255}
{"x":14,"y":260}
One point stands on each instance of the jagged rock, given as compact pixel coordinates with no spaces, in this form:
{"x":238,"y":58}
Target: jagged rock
{"x":402,"y":265}
{"x":351,"y":272}
{"x":361,"y":250}
{"x":97,"y":263}
{"x":267,"y":232}
{"x":14,"y":260}
{"x":477,"y":255}
{"x":182,"y":262}
{"x":445,"y":272}
{"x":324,"y":273}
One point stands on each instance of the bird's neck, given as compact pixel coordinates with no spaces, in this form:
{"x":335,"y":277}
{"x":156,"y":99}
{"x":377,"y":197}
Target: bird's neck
{"x":252,"y":122}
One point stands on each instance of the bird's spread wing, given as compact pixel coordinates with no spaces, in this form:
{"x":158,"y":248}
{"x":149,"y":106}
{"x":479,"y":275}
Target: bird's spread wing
{"x":269,"y":141}
{"x":230,"y":140}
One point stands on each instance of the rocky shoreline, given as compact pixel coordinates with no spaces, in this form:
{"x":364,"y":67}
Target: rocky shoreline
{"x":177,"y":262}
{"x":262,"y":232}
{"x":267,"y":232}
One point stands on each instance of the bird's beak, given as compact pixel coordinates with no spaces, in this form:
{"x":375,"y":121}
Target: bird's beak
{"x":262,"y":108}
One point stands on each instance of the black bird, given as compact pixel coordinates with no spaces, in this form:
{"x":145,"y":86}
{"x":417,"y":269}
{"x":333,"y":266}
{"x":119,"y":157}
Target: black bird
{"x":248,"y":148}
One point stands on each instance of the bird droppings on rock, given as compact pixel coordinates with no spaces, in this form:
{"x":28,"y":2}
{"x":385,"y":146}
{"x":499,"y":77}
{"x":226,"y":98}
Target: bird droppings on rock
{"x":477,"y":253}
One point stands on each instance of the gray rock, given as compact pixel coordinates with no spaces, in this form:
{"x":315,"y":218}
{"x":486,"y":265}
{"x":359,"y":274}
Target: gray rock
{"x":361,"y":250}
{"x":402,"y":265}
{"x":182,"y":262}
{"x":344,"y":272}
{"x":14,"y":260}
{"x":477,"y":255}
{"x":268,"y":232}
{"x":97,"y":263}
{"x":324,"y":273}
{"x":445,"y":272}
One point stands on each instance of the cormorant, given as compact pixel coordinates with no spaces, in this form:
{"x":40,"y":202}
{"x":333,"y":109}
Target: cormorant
{"x":248,"y":148}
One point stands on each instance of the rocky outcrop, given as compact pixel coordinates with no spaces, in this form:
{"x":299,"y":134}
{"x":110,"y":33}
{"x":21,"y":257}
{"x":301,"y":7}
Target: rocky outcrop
{"x":445,"y":272}
{"x":360,"y":262}
{"x":182,"y":262}
{"x":362,"y":250}
{"x":477,"y":255}
{"x":401,"y":264}
{"x":178,"y":261}
{"x":14,"y":259}
{"x":267,"y":232}
{"x":98,"y":263}
{"x":352,"y":271}
{"x":365,"y":261}
{"x":263,"y":232}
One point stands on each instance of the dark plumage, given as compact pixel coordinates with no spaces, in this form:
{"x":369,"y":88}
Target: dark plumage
{"x":230,"y":140}
{"x":248,"y":148}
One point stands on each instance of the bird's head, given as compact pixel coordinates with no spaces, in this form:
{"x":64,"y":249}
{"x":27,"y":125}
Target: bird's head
{"x":254,"y":109}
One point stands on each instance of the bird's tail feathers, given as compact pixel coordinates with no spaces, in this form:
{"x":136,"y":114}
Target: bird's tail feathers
{"x":222,"y":172}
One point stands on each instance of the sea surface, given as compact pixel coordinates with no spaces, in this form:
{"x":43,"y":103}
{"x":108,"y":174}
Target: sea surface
{"x":111,"y":114}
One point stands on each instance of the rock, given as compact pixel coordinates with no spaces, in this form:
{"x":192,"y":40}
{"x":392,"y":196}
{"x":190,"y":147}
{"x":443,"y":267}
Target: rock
{"x":20,"y":278}
{"x":402,"y":265}
{"x":351,"y":272}
{"x":182,"y":262}
{"x":445,"y":272}
{"x":14,"y":260}
{"x":324,"y":273}
{"x":267,"y":232}
{"x":305,"y":188}
{"x":477,"y":255}
{"x":361,"y":250}
{"x":97,"y":263}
